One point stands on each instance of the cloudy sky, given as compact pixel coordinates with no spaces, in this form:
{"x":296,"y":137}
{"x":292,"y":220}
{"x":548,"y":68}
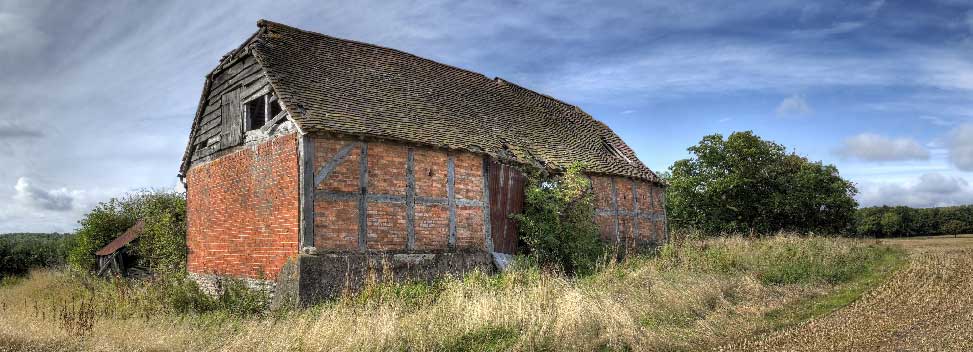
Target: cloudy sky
{"x":98,"y":97}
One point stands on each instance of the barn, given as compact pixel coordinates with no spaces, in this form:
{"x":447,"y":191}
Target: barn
{"x":313,"y":161}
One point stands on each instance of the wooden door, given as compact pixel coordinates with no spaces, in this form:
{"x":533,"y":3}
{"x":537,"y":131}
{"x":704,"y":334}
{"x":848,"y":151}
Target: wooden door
{"x":506,"y":197}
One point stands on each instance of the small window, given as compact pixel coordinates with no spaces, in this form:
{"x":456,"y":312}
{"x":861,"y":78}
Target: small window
{"x":612,"y":150}
{"x":256,"y":113}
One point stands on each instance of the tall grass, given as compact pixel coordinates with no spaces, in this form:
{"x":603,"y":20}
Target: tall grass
{"x":693,"y":294}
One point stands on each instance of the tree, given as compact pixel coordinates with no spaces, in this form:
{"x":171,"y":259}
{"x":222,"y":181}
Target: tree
{"x":746,"y":184}
{"x":954,"y":227}
{"x":891,"y":224}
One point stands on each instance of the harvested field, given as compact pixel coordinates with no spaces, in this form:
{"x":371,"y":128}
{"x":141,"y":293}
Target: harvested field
{"x":925,"y":307}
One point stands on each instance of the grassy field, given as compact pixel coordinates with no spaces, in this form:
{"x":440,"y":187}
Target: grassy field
{"x":691,"y":295}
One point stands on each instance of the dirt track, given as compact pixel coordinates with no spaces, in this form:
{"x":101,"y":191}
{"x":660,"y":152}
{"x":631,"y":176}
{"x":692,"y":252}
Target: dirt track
{"x":927,"y":306}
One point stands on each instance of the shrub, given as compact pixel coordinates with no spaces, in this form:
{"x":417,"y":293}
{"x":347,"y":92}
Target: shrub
{"x":558,"y":221}
{"x":162,"y":245}
{"x":21,"y":252}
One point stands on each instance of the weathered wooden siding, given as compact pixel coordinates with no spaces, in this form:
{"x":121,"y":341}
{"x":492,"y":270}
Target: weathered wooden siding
{"x":222,"y":116}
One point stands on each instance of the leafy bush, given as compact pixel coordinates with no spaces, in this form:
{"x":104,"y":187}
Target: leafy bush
{"x":558,"y":221}
{"x":162,"y":245}
{"x":21,"y":252}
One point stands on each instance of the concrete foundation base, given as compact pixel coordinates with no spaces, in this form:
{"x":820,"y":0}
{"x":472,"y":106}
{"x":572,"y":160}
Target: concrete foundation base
{"x":312,"y":278}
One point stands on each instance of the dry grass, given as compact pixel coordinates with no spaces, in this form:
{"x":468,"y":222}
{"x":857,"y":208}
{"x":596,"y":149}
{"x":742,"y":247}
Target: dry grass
{"x":693,"y":295}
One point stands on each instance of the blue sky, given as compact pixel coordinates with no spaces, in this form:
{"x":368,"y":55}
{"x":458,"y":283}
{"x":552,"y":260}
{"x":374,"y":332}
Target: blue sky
{"x":99,"y":96}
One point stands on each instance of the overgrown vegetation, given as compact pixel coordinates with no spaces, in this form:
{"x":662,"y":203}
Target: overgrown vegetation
{"x":905,"y":221}
{"x":162,"y":245}
{"x":558,"y":221}
{"x":20,"y":252}
{"x":696,"y":293}
{"x":746,"y":184}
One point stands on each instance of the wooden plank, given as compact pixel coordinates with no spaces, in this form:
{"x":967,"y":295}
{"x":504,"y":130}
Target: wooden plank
{"x":332,"y":164}
{"x":307,"y":191}
{"x":362,"y":202}
{"x":487,"y":234}
{"x":210,"y":120}
{"x":515,"y":205}
{"x":451,"y":196}
{"x":496,"y":228}
{"x":208,"y":132}
{"x":253,"y":90}
{"x":244,"y":76}
{"x":234,"y":70}
{"x":614,"y":190}
{"x":504,"y":206}
{"x":410,"y":199}
{"x":232,"y":121}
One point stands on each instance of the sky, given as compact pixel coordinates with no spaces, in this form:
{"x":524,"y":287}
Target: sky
{"x":97,"y":97}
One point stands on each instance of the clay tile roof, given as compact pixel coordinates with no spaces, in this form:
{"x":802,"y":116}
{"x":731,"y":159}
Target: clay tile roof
{"x":120,"y":241}
{"x":341,"y":86}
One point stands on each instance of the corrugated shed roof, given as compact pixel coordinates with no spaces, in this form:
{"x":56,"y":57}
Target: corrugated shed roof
{"x":125,"y":238}
{"x":335,"y":85}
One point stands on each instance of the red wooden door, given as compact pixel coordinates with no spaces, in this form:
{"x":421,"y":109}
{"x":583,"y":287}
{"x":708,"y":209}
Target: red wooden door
{"x":506,"y":197}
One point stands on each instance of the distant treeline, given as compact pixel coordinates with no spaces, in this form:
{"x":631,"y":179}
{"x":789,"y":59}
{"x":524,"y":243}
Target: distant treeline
{"x":20,"y":252}
{"x":905,"y":221}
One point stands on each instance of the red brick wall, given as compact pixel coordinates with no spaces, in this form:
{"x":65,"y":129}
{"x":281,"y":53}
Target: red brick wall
{"x":336,"y":220}
{"x":650,"y":200}
{"x":243,"y":210}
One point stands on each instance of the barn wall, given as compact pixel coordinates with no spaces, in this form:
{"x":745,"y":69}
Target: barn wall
{"x":415,"y":198}
{"x":629,"y":212}
{"x":243,"y":210}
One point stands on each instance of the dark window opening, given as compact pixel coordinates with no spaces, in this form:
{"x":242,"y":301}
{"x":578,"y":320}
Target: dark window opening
{"x":256,"y":113}
{"x":274,"y":108}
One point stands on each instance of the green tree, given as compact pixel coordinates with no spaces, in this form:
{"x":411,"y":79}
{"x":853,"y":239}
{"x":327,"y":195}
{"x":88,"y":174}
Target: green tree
{"x":954,"y":227}
{"x":162,"y":245}
{"x":891,"y":224}
{"x":746,"y":184}
{"x":558,"y":221}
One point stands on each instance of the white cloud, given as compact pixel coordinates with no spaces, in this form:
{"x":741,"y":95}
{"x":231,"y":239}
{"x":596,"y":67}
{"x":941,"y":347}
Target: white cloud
{"x":929,"y":190}
{"x":793,"y":105}
{"x":44,"y":199}
{"x":946,"y":70}
{"x":873,"y":147}
{"x":961,"y":147}
{"x":938,"y":121}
